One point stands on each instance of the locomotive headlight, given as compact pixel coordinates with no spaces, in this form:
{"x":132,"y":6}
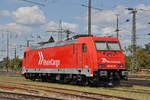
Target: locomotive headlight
{"x":101,"y":65}
{"x":120,"y":65}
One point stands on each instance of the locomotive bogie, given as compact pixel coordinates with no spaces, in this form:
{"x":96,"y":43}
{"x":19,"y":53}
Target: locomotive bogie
{"x":99,"y":78}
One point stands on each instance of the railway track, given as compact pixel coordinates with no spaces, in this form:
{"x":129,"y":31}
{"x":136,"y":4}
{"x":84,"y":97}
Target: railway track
{"x":65,"y":95}
{"x":133,"y":91}
{"x":69,"y":93}
{"x":137,"y":82}
{"x":21,"y":96}
{"x":7,"y":98}
{"x":139,"y":76}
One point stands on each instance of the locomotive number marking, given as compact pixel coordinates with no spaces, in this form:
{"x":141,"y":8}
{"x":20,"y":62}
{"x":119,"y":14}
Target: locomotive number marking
{"x":111,"y":65}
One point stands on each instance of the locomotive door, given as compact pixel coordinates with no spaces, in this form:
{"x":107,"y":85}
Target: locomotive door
{"x":84,"y":56}
{"x":78,"y":56}
{"x":81,"y":55}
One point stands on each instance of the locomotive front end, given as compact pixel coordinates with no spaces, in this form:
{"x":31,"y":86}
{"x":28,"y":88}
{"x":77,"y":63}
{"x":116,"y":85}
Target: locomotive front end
{"x":110,"y":60}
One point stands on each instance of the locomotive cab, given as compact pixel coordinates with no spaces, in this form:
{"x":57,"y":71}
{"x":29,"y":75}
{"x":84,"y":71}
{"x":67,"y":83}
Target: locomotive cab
{"x":110,"y":60}
{"x":105,"y":57}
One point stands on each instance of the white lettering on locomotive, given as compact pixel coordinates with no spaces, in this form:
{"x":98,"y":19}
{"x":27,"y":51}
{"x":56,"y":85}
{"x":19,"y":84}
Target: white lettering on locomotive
{"x":42,"y":61}
{"x":104,"y":60}
{"x":111,"y":65}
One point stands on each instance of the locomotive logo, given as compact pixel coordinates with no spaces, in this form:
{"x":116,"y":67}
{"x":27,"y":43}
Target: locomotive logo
{"x":104,"y":60}
{"x":42,"y":61}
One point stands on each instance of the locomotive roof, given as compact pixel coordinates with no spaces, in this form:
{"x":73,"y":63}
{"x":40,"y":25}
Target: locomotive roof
{"x":105,"y":38}
{"x":69,"y":42}
{"x":54,"y":44}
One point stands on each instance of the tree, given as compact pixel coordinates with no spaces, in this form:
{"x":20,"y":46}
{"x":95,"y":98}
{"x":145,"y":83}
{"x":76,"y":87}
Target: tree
{"x":143,"y":58}
{"x":128,"y":62}
{"x":19,"y":64}
{"x":15,"y":64}
{"x":147,"y":47}
{"x":5,"y":62}
{"x":11,"y":64}
{"x":128,"y":50}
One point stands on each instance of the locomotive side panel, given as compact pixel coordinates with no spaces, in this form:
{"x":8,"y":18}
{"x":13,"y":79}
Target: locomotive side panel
{"x":66,"y":60}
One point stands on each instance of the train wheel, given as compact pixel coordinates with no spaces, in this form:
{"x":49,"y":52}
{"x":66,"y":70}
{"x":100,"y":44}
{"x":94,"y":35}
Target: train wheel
{"x":74,"y":80}
{"x":43,"y":78}
{"x":32,"y":77}
{"x":26,"y":76}
{"x":66,"y":80}
{"x":94,"y":82}
{"x":116,"y":82}
{"x":85,"y":82}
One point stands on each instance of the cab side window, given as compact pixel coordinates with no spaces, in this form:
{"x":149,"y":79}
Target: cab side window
{"x":84,"y":48}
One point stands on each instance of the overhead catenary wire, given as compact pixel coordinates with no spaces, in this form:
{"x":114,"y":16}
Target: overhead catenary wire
{"x":92,"y":7}
{"x":37,"y":3}
{"x":144,"y":10}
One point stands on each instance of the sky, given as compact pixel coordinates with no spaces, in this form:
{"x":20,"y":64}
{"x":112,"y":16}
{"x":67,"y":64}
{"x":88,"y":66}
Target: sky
{"x":24,"y":21}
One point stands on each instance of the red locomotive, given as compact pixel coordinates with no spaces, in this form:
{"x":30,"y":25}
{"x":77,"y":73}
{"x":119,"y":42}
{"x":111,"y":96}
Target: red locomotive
{"x":83,"y":60}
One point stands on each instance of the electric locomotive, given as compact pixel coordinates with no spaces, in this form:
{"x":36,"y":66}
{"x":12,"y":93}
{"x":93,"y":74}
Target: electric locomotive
{"x":81,"y":60}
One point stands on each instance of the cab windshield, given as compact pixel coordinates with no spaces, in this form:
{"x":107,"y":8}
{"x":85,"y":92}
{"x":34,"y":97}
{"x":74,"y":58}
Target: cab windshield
{"x":107,"y":46}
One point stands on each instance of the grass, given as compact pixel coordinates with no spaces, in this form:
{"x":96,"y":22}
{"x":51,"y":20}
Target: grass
{"x":101,"y":90}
